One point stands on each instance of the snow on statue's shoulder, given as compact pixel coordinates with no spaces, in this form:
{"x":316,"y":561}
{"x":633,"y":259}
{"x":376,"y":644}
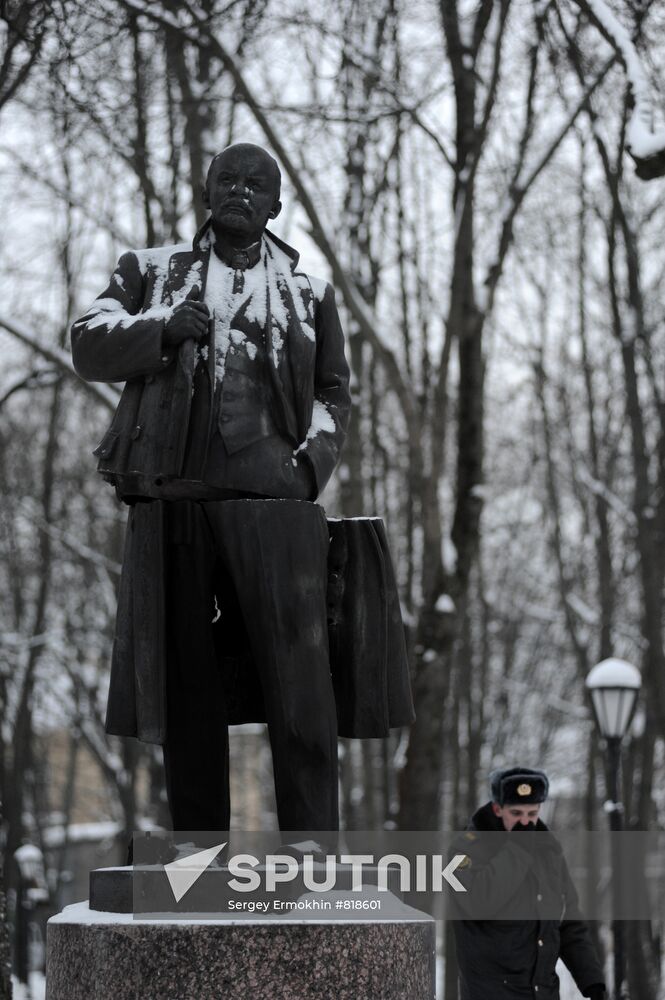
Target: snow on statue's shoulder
{"x":103,"y":304}
{"x":158,"y":257}
{"x":97,"y":314}
{"x":285,"y":290}
{"x":319,"y":286}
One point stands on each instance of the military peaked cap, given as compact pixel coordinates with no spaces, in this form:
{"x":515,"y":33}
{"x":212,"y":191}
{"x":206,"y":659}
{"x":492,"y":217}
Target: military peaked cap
{"x":518,"y":786}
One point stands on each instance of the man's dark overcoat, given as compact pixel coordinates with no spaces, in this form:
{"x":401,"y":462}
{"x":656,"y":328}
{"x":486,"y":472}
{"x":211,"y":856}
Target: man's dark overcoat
{"x":508,"y":959}
{"x":120,"y":339}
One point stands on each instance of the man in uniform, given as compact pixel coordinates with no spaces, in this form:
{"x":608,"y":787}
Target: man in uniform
{"x":230,"y":424}
{"x":506,"y":958}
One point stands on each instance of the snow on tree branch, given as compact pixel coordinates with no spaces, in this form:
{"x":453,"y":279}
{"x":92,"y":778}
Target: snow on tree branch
{"x":644,"y":143}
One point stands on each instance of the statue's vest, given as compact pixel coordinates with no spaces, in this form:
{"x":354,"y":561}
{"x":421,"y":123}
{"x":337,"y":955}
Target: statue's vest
{"x":245,"y":399}
{"x":237,"y":407}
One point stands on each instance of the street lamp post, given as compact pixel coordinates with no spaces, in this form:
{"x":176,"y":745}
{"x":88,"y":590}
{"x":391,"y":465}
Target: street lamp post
{"x":613,"y":685}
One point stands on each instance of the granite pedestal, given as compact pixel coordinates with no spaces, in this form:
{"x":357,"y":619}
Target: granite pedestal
{"x":93,"y":955}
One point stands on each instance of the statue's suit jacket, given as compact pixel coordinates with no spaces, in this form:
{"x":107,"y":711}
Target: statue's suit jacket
{"x":120,"y":339}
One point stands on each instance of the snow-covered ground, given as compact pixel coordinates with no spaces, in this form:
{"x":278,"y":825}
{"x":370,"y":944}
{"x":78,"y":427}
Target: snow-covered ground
{"x":35,"y":991}
{"x":568,"y":989}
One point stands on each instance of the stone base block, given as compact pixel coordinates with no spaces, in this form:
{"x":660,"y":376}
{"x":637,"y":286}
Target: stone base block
{"x":104,"y":956}
{"x":144,"y":889}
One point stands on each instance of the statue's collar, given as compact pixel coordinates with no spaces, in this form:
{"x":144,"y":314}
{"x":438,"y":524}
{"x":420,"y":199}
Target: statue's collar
{"x":239,"y":260}
{"x":204,"y":240}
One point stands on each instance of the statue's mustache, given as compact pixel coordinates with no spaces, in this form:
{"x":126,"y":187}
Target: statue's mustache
{"x":242,"y":204}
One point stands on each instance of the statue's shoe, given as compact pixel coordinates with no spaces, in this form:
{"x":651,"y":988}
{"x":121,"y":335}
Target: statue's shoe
{"x":305,"y":848}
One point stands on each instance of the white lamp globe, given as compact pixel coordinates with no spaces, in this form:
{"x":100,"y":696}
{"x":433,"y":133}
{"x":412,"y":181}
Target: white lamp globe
{"x":613,"y":685}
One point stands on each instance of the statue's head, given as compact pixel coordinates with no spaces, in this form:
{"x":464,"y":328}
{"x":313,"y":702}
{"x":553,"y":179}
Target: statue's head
{"x":242,"y":192}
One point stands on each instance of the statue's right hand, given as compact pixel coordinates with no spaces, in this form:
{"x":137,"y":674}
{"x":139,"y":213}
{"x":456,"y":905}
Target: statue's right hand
{"x":189,"y":320}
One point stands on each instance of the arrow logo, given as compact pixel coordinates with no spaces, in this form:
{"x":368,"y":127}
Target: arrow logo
{"x":183,"y":872}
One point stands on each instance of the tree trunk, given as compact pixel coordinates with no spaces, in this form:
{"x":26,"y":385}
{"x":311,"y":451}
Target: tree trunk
{"x":5,"y":948}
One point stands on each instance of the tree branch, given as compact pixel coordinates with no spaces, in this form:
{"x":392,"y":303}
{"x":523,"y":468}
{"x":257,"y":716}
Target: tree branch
{"x":103,"y":393}
{"x":518,"y":191}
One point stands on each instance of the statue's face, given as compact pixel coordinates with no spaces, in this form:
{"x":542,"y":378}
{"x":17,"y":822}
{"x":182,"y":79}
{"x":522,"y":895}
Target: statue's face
{"x":242,"y":192}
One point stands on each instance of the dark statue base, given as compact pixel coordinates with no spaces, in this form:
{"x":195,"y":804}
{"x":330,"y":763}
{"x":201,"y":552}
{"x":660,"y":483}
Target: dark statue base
{"x":110,"y":956}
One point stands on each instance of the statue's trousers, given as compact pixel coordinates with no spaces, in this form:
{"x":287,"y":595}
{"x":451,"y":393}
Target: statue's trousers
{"x":249,"y":575}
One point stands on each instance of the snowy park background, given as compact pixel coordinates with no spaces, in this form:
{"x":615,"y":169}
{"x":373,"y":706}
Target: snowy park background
{"x":459,"y":171}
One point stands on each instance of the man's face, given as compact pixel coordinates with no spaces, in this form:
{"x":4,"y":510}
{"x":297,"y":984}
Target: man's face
{"x":242,"y":192}
{"x":511,"y":815}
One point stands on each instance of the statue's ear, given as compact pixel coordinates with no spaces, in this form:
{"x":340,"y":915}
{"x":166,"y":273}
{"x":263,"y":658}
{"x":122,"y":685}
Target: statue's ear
{"x":275,"y":210}
{"x":205,"y":196}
